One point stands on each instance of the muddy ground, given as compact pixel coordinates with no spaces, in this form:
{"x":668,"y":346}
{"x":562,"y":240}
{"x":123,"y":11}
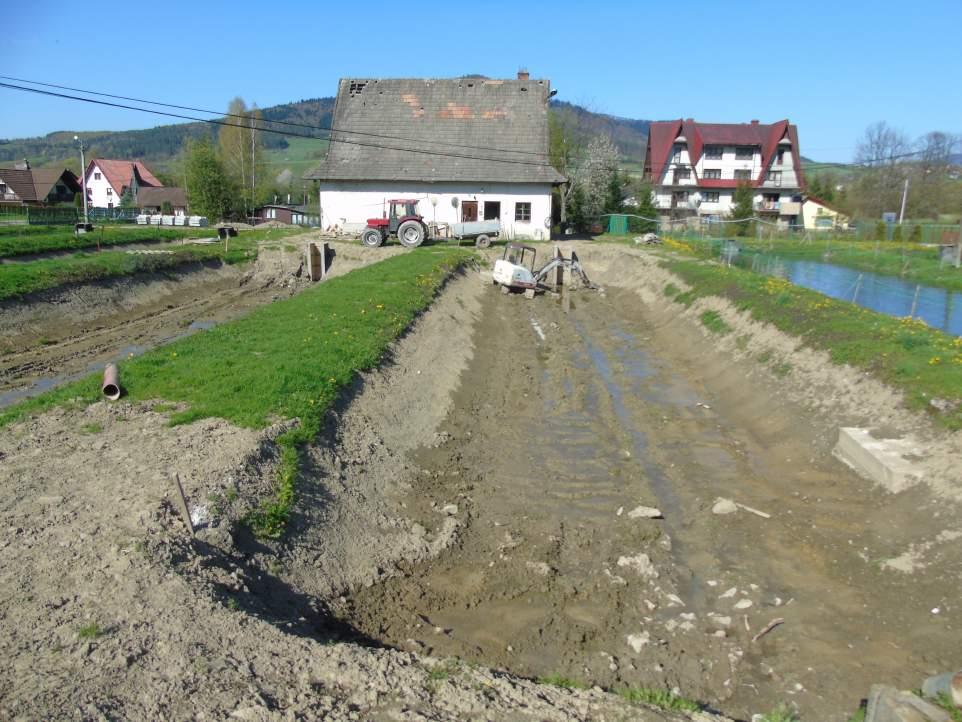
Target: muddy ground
{"x":477,"y":499}
{"x":67,"y":332}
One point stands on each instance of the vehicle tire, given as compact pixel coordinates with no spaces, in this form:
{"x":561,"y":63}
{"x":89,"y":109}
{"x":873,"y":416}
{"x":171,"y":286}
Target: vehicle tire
{"x":410,"y":234}
{"x":483,"y":241}
{"x":371,"y":237}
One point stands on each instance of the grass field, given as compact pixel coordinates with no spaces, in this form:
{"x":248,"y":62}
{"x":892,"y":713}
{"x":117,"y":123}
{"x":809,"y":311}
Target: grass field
{"x":286,"y":360}
{"x":907,"y":354}
{"x":18,"y":279}
{"x":300,"y":155}
{"x":24,"y":240}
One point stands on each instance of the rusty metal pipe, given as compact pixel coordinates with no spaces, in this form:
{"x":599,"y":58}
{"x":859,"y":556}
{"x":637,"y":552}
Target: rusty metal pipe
{"x":111,"y":385}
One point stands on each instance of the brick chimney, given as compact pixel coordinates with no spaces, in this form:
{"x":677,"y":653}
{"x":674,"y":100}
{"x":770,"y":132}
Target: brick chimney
{"x":754,"y":122}
{"x":523,"y":74}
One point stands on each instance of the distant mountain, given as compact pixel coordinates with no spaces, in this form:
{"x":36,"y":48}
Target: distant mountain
{"x":159,"y":146}
{"x":155,"y":146}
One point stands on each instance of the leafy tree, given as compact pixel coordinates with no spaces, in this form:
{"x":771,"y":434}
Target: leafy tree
{"x":592,"y":180}
{"x":646,"y":208}
{"x":209,"y":189}
{"x":743,"y":209}
{"x":167,"y":208}
{"x":897,"y":234}
{"x":128,"y":200}
{"x":241,"y":151}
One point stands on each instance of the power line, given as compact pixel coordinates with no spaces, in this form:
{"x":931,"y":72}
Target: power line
{"x":276,"y":132}
{"x":308,"y":126}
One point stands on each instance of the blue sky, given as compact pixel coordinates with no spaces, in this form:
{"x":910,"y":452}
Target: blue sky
{"x":831,"y":67}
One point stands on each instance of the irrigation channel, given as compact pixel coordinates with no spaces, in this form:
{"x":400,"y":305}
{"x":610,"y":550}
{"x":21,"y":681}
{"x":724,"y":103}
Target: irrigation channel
{"x":938,"y":307}
{"x":573,"y":415}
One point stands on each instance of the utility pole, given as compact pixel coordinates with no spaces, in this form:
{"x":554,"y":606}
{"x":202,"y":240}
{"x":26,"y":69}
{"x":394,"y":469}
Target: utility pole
{"x":905,"y":197}
{"x":83,"y":178}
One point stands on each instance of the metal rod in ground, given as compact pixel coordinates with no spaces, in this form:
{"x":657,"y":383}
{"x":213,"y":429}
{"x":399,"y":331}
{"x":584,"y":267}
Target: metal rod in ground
{"x":858,"y":285}
{"x":915,"y":302}
{"x":182,"y":505}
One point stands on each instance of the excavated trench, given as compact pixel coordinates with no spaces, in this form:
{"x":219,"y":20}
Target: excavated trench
{"x":569,"y":417}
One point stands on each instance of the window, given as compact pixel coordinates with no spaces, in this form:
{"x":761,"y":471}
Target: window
{"x":3,"y":187}
{"x":682,"y":174}
{"x":522,"y":212}
{"x":110,"y":204}
{"x":96,"y":176}
{"x":744,"y":152}
{"x":676,"y":154}
{"x":774,"y":177}
{"x":110,"y":191}
{"x":714,"y":152}
{"x":712,"y":173}
{"x":780,"y":158}
{"x":743,"y":175}
{"x":711,"y":197}
{"x":492,"y":210}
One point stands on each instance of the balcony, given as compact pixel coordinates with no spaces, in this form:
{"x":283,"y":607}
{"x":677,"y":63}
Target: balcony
{"x":768,"y":206}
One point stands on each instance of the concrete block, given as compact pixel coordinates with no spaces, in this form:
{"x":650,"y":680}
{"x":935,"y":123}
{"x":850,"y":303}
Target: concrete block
{"x":887,"y":704}
{"x":888,"y":462}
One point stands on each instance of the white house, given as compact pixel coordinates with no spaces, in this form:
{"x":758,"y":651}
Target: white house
{"x":467,"y":148}
{"x":107,"y":180}
{"x":695,"y":168}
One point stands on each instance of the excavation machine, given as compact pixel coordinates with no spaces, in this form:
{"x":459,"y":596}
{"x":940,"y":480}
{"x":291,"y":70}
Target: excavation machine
{"x":516,"y":270}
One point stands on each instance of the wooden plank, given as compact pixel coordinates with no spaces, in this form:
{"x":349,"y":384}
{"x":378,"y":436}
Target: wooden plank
{"x":181,"y":503}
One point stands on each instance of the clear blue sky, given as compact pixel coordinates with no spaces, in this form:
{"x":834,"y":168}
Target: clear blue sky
{"x":831,"y":67}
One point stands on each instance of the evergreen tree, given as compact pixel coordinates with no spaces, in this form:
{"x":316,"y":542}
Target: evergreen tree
{"x":209,"y":190}
{"x":646,"y":208}
{"x":743,"y":209}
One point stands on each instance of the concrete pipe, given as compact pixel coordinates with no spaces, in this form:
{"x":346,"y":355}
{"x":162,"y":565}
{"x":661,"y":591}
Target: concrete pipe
{"x":111,"y":385}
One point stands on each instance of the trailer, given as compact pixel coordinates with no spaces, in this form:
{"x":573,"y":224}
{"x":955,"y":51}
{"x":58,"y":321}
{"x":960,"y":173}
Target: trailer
{"x":481,"y":231}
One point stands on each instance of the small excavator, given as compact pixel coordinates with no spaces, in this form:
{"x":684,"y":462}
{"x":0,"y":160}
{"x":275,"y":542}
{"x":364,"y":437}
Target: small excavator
{"x":516,"y":270}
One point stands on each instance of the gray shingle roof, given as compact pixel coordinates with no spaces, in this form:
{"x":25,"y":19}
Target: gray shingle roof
{"x":460,"y":129}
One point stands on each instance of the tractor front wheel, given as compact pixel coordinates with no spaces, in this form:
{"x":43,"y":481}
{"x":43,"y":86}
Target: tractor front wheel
{"x":410,"y":234}
{"x":371,"y":237}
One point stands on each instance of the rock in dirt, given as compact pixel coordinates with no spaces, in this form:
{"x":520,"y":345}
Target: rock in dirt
{"x":638,"y":641}
{"x":217,"y":536}
{"x":645,"y":512}
{"x":640,"y":563}
{"x":450,"y":509}
{"x":724,"y":506}
{"x":887,"y":704}
{"x":539,"y":568}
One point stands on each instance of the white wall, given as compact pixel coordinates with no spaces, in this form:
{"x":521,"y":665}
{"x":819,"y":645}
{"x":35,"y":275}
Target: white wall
{"x":97,"y":190}
{"x":347,"y":205}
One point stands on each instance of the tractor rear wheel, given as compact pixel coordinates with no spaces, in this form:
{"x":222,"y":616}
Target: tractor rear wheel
{"x":483,"y":241}
{"x":371,"y":237}
{"x":410,"y":234}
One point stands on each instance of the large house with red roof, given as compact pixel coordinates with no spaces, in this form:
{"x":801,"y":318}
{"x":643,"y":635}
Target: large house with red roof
{"x":694,"y":168}
{"x":107,"y":180}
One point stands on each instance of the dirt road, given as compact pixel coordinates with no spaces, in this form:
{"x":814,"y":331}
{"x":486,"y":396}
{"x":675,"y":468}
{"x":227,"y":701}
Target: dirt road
{"x":568,"y":420}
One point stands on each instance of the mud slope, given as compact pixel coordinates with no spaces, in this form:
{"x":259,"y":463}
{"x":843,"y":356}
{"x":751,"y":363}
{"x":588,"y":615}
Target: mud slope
{"x":108,"y":610}
{"x":567,"y":422}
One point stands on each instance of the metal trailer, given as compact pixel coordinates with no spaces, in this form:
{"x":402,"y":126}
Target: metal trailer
{"x":481,"y":231}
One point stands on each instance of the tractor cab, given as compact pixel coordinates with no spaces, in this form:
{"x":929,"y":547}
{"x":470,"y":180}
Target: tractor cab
{"x":400,"y":210}
{"x":516,"y":267}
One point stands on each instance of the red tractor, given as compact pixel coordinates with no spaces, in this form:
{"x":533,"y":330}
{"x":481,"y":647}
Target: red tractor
{"x":403,"y":221}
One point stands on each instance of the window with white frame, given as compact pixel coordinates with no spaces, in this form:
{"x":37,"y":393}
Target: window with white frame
{"x":676,"y":154}
{"x":714,"y":152}
{"x":743,"y":175}
{"x":110,"y":191}
{"x":774,"y":177}
{"x":712,"y":174}
{"x":710,"y":197}
{"x":522,"y":212}
{"x":744,"y":152}
{"x":682,"y":174}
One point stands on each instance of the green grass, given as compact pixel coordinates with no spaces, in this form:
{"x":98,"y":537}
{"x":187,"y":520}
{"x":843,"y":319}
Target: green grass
{"x":713,"y":321}
{"x":782,"y":713}
{"x":18,"y":279}
{"x":671,"y":290}
{"x":287,"y":360}
{"x":922,"y":362}
{"x":90,"y":631}
{"x":858,"y":715}
{"x":659,"y":698}
{"x":557,"y":680}
{"x":23,"y":240}
{"x":945,"y":702}
{"x":92,"y":428}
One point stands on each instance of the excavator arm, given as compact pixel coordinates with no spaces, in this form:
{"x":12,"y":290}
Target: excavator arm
{"x":572,"y":264}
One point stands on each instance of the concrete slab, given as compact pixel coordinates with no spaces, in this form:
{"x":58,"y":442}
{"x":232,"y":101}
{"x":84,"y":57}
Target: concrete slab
{"x":887,"y":462}
{"x":887,"y":704}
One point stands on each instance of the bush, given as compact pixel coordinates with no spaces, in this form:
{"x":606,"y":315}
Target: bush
{"x":881,"y":231}
{"x":916,"y":235}
{"x":897,"y":234}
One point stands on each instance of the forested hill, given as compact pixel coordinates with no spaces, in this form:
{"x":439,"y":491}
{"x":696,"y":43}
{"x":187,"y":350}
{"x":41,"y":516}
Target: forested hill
{"x":158,"y":146}
{"x":153,"y":145}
